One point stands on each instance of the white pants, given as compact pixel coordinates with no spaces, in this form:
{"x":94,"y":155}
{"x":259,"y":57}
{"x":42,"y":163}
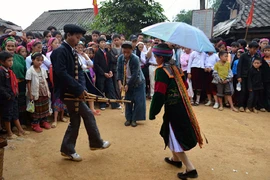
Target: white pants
{"x":152,"y":70}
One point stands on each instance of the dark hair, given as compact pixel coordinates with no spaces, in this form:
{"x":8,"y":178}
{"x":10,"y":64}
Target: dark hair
{"x":36,"y":43}
{"x":253,"y":45}
{"x":51,"y":28}
{"x":83,"y":39}
{"x":38,"y":35}
{"x":35,"y":55}
{"x":257,"y":40}
{"x":221,"y":44}
{"x":29,"y":33}
{"x":258,"y":59}
{"x":235,"y":44}
{"x":266,"y":47}
{"x":96,"y":32}
{"x":4,"y":55}
{"x":116,"y":36}
{"x":138,"y":52}
{"x":242,"y":42}
{"x":70,"y":33}
{"x":90,"y":50}
{"x":45,"y":33}
{"x":140,"y":34}
{"x":221,"y":53}
{"x":218,"y":39}
{"x":101,"y":39}
{"x":56,"y":33}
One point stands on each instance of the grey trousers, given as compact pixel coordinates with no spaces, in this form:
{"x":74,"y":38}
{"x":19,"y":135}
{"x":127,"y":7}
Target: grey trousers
{"x":69,"y":141}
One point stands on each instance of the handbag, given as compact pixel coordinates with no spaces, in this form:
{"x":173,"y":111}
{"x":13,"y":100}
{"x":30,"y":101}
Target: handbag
{"x":214,"y":81}
{"x":190,"y":89}
{"x":30,"y":107}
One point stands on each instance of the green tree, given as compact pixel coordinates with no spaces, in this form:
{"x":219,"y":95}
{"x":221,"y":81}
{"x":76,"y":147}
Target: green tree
{"x":215,"y":4}
{"x":184,"y":16}
{"x":127,"y":16}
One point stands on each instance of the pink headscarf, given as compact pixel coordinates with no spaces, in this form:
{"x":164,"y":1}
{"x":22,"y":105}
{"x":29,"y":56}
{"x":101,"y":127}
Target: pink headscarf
{"x":264,"y":39}
{"x":50,"y":48}
{"x":31,"y":43}
{"x":18,"y":49}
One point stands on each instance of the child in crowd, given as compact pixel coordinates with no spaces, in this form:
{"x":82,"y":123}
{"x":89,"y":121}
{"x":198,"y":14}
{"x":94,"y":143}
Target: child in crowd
{"x":209,"y":63}
{"x":266,"y":75}
{"x":21,"y":50}
{"x":95,"y":36}
{"x":91,"y":54}
{"x":195,"y":72}
{"x":184,"y":60}
{"x":242,"y":44}
{"x":47,"y":35}
{"x":223,"y":77}
{"x":94,"y":46}
{"x":255,"y":86}
{"x":236,"y":93}
{"x":263,"y":43}
{"x":244,"y":64}
{"x":33,"y":47}
{"x":233,"y":51}
{"x":57,"y":35}
{"x":38,"y":91}
{"x":9,"y":95}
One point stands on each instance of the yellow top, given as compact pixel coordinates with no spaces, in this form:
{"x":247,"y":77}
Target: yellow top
{"x":222,"y":69}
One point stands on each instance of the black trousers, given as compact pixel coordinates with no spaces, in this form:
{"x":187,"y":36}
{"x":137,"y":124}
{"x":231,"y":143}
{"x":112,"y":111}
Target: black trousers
{"x":267,"y":95}
{"x":243,"y":93}
{"x":255,"y":99}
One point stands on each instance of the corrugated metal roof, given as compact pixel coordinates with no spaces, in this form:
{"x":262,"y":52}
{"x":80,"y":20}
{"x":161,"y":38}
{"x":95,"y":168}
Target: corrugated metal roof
{"x":261,"y":17}
{"x":58,"y":18}
{"x":11,"y":25}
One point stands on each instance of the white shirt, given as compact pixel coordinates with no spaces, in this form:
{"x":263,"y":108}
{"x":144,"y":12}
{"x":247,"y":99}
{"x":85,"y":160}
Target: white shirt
{"x":143,"y":58}
{"x":152,"y":59}
{"x":85,"y":62}
{"x":196,"y":59}
{"x":211,"y":60}
{"x":32,"y":76}
{"x":45,"y":65}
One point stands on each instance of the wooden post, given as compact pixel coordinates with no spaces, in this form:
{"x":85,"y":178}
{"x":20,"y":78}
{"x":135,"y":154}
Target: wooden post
{"x":246,"y":33}
{"x":202,"y":4}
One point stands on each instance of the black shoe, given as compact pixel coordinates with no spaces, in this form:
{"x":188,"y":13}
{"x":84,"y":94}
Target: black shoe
{"x":174,"y":163}
{"x":127,"y":123}
{"x":133,"y":124}
{"x":190,"y":174}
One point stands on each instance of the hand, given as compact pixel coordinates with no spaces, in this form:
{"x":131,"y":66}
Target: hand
{"x":205,"y":69}
{"x":250,"y":90}
{"x":126,"y":88}
{"x":31,"y":97}
{"x":106,"y":75}
{"x":239,"y":80}
{"x":84,"y":93}
{"x":189,"y":76}
{"x":225,"y":81}
{"x":13,"y":33}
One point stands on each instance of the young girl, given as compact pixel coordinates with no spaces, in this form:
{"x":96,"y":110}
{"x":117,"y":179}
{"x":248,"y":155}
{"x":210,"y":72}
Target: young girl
{"x":184,"y":60}
{"x":33,"y":47}
{"x":223,"y":77}
{"x":180,"y":129}
{"x":38,"y":91}
{"x":58,"y":105}
{"x":91,"y":54}
{"x":86,"y":64}
{"x":195,"y":72}
{"x":9,"y":95}
{"x":21,"y":50}
{"x":47,"y":35}
{"x":211,"y":89}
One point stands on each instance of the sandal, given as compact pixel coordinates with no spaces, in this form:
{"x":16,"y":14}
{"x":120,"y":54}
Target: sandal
{"x":221,"y":108}
{"x":23,"y":133}
{"x":64,"y":120}
{"x":197,"y":104}
{"x":54,"y":124}
{"x":234,"y":110}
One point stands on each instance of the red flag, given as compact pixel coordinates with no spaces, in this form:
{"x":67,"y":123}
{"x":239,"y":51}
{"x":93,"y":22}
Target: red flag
{"x":250,"y":16}
{"x":95,"y":7}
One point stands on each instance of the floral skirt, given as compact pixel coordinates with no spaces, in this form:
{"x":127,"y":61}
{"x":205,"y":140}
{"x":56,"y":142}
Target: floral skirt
{"x":58,"y":106}
{"x":41,"y":107}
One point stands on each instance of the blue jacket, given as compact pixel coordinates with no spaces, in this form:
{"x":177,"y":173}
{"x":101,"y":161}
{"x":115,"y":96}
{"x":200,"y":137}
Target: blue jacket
{"x":137,"y":77}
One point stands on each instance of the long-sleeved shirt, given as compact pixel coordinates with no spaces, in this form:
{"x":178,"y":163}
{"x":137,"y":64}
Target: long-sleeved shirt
{"x":45,"y":65}
{"x":211,"y":60}
{"x":245,"y":63}
{"x":196,"y":59}
{"x":184,"y":61}
{"x":152,"y":59}
{"x":255,"y":81}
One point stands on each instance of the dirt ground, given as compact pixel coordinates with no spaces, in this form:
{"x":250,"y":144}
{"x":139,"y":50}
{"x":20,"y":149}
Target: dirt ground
{"x":238,"y":149}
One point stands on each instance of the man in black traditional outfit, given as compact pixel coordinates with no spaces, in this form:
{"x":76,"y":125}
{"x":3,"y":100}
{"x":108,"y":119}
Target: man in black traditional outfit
{"x":67,"y":74}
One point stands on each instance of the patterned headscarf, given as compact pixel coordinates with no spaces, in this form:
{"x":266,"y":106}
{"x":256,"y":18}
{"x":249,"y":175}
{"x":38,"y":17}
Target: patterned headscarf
{"x":51,"y":40}
{"x":264,"y":39}
{"x":162,"y":51}
{"x":10,"y":38}
{"x":18,"y":49}
{"x":31,"y":44}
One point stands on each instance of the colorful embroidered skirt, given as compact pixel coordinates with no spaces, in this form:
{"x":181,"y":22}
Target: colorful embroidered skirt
{"x":58,"y":106}
{"x":41,"y":107}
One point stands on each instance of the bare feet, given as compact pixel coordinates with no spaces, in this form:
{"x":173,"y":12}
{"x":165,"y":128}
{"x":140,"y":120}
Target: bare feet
{"x":23,"y":133}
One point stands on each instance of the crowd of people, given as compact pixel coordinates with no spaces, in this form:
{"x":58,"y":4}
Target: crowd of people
{"x":237,"y":74}
{"x":37,"y":71}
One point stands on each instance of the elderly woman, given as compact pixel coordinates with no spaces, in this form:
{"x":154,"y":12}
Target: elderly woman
{"x":19,"y":68}
{"x":180,"y":129}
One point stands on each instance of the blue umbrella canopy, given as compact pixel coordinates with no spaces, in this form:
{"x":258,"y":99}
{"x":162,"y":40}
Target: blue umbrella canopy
{"x":181,"y":34}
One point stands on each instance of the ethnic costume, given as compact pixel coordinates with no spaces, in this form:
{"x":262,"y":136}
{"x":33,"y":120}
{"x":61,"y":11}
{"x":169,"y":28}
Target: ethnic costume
{"x":180,"y":129}
{"x":129,"y":70}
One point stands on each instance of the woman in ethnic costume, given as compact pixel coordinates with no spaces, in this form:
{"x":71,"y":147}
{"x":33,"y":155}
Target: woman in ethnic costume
{"x":19,"y":69}
{"x":180,"y":129}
